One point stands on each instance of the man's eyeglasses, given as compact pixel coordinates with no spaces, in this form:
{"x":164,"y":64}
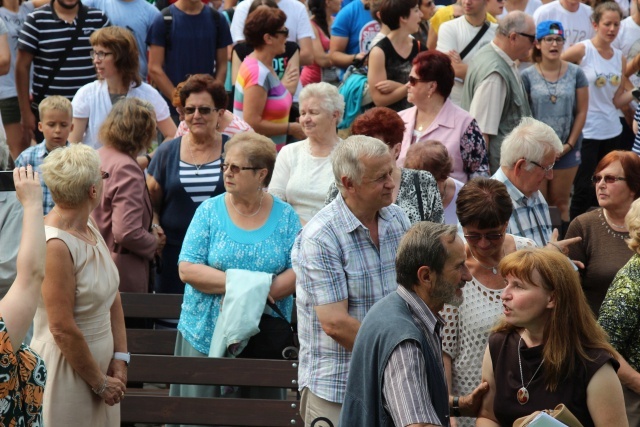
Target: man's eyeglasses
{"x":100,"y":55}
{"x":529,"y":36}
{"x":104,"y":174}
{"x":489,"y":236}
{"x":204,"y":111}
{"x":284,"y":31}
{"x":609,"y":179}
{"x":414,"y":80}
{"x":235,"y":168}
{"x":552,"y":40}
{"x":547,"y":169}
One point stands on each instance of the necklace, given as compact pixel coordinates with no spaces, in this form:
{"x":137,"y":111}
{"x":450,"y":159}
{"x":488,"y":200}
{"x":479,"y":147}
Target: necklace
{"x":90,"y":238}
{"x":493,"y":269}
{"x":552,"y":96}
{"x":248,"y":215}
{"x":193,"y":159}
{"x":611,"y":222}
{"x":523,"y":393}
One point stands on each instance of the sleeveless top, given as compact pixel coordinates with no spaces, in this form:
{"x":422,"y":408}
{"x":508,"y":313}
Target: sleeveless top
{"x":312,"y":73}
{"x":398,"y":68}
{"x":503,"y":347}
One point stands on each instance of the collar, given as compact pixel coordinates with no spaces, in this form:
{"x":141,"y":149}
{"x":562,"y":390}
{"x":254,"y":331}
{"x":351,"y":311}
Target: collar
{"x":510,"y":62}
{"x":42,"y":151}
{"x":349,"y":221}
{"x":431,"y":321}
{"x":515,"y":194}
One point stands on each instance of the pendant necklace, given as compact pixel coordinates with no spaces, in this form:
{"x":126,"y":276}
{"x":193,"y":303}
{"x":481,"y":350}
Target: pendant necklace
{"x":523,"y":393}
{"x":493,"y":269}
{"x":193,"y":159}
{"x":552,"y":96}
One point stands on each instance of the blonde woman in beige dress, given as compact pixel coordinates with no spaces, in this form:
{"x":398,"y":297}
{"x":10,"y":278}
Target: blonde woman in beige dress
{"x":79,"y":323}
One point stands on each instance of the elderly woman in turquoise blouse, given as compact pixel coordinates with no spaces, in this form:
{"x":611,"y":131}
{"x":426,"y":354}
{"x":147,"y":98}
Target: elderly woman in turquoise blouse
{"x":620,"y":318}
{"x":244,"y":228}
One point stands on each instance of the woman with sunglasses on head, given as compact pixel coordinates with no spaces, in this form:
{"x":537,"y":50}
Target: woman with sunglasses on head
{"x":558,"y":94}
{"x":245,"y":228}
{"x":603,"y":250}
{"x":260,"y":98}
{"x":483,"y":208}
{"x":604,"y":67}
{"x":186,"y":171}
{"x":435,"y":117}
{"x":115,"y":56}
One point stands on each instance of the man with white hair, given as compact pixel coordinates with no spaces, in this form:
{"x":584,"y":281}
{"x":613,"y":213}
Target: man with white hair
{"x":493,"y":91}
{"x":344,"y":260}
{"x":527,"y":158}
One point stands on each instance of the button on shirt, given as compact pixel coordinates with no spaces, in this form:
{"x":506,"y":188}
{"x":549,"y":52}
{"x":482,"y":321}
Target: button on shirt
{"x":334,"y":260}
{"x":530,"y":217}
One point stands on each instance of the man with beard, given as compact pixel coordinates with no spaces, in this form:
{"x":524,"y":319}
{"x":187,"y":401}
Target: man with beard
{"x":55,"y":38}
{"x":396,"y":376}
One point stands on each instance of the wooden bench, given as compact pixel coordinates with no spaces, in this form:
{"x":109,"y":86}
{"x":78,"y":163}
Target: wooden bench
{"x":152,"y":361}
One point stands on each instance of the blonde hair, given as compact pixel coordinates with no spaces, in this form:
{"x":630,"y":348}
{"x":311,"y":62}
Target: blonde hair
{"x":632,"y":221}
{"x":130,"y":127}
{"x":259,"y":150}
{"x":55,"y":102}
{"x":69,"y":172}
{"x":571,"y":328}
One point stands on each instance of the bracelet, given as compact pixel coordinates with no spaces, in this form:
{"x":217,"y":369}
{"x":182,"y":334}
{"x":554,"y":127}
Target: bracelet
{"x":154,"y":226}
{"x":148,"y":158}
{"x":455,"y":408}
{"x":569,"y":144}
{"x":102,"y":388}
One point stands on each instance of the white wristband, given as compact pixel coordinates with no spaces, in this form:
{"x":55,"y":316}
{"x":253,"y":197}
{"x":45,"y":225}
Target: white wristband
{"x":125,"y":357}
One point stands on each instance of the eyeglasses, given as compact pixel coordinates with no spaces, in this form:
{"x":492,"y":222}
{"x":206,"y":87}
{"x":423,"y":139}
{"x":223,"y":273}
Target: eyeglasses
{"x":609,"y":179}
{"x":547,"y":169}
{"x":100,"y":55}
{"x":284,"y":31}
{"x":235,"y":168}
{"x":552,"y":40}
{"x":529,"y":36}
{"x":414,"y":80}
{"x":202,"y":110}
{"x":489,"y":236}
{"x":104,"y":174}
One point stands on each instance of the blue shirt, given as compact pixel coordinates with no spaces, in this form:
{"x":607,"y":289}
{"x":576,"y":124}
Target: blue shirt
{"x":335,"y":260}
{"x":355,"y":23}
{"x":214,"y":240}
{"x":34,"y":156}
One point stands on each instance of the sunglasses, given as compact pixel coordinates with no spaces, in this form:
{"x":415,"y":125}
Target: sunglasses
{"x":235,"y":168}
{"x":609,"y":179}
{"x":284,"y":31}
{"x":414,"y":80}
{"x":104,"y":174}
{"x":204,"y":111}
{"x":477,"y":237}
{"x":529,"y":36}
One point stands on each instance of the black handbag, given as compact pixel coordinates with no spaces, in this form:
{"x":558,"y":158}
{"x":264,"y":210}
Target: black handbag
{"x":277,"y":339}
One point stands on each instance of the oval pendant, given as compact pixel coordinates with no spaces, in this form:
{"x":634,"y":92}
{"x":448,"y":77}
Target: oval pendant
{"x":523,"y":395}
{"x":553,"y":99}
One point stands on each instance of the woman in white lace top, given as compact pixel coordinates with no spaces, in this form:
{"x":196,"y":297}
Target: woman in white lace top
{"x":483,"y":208}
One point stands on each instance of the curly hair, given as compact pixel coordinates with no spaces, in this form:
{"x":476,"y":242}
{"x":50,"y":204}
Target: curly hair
{"x":122,"y":44}
{"x":436,"y":67}
{"x":382,"y":123}
{"x":198,"y":83}
{"x":130,"y":127}
{"x":264,"y":20}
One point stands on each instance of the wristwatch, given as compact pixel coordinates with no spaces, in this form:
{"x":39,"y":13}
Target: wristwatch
{"x":125,"y":357}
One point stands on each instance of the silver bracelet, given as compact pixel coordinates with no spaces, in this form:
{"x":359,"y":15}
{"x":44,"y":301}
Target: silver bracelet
{"x":102,"y":388}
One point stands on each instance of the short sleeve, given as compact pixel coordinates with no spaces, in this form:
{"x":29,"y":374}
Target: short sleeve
{"x":80,"y":102}
{"x":157,"y":32}
{"x":249,"y":73}
{"x":293,"y":227}
{"x":447,"y":37}
{"x":281,"y":174}
{"x":224,"y":35}
{"x":159,"y":104}
{"x":195,"y":247}
{"x":304,"y":24}
{"x":29,"y":35}
{"x":159,"y":162}
{"x":237,"y":23}
{"x":581,"y":78}
{"x":450,"y":331}
{"x":342,"y":23}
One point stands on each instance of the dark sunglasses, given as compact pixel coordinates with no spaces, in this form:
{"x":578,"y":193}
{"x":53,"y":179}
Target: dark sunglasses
{"x":202,"y":110}
{"x":235,"y":168}
{"x":477,"y":237}
{"x":104,"y":174}
{"x":284,"y":31}
{"x":609,"y":179}
{"x":414,"y":80}
{"x":529,"y":36}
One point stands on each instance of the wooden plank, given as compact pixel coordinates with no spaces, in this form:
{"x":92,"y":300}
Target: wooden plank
{"x":209,"y":370}
{"x":210,"y":411}
{"x":151,"y":341}
{"x":151,"y":306}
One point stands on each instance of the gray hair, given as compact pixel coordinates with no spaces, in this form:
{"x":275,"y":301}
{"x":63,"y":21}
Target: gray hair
{"x":346,"y":157}
{"x":531,"y":140}
{"x":422,"y":245}
{"x":4,"y":154}
{"x":514,"y":22}
{"x":328,"y":96}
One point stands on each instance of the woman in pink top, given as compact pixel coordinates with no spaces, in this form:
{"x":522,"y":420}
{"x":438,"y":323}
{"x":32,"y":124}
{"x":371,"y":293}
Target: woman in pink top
{"x":435,"y":117}
{"x":322,"y":13}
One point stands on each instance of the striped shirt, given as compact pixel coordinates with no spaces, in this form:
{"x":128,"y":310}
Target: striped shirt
{"x":405,"y":387}
{"x":45,"y":36}
{"x":200,"y":182}
{"x":335,"y":260}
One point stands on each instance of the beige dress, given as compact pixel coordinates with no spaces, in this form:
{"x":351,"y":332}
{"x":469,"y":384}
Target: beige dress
{"x":68,"y":399}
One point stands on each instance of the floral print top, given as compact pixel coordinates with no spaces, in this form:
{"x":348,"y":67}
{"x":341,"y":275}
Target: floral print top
{"x":22,"y":379}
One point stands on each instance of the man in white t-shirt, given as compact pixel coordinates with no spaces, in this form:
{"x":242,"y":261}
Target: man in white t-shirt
{"x":298,"y":23}
{"x":455,"y":35}
{"x":574,"y":16}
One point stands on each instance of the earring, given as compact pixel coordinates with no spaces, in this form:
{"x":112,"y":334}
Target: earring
{"x":218,"y":126}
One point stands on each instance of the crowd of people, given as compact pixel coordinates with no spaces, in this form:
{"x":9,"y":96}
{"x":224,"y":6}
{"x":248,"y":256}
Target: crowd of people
{"x":379,"y":172}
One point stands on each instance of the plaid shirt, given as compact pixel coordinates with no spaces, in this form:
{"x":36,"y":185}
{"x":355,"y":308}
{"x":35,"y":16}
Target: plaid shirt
{"x":34,"y":156}
{"x":530,"y":217}
{"x":335,"y":260}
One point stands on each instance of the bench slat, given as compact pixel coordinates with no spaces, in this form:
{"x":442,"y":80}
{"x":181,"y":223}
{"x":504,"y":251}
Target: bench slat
{"x":151,"y":306}
{"x":150,"y":341}
{"x":228,"y":412}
